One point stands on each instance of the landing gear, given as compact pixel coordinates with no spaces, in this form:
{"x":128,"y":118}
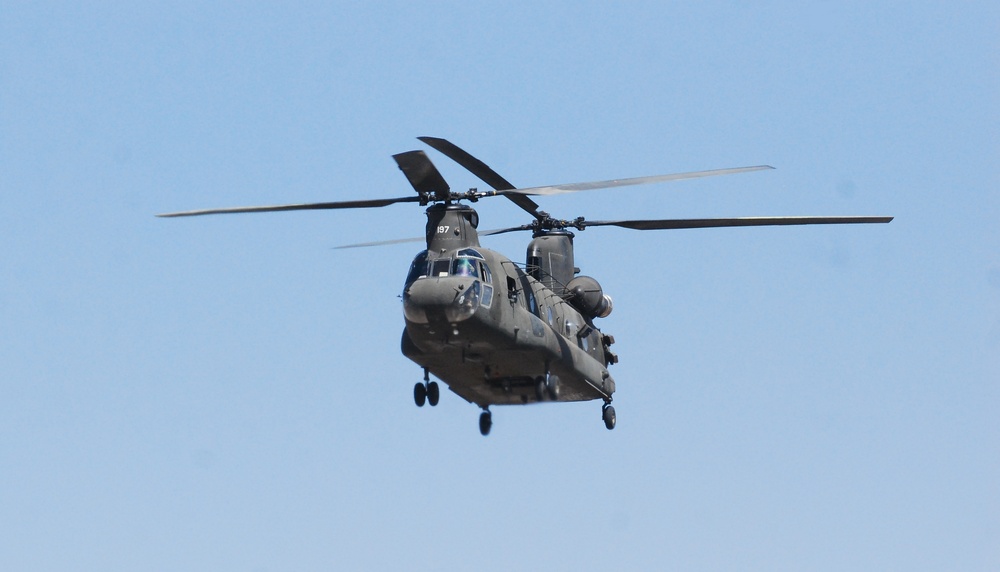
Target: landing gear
{"x":419,"y":394}
{"x":485,"y":422}
{"x":552,"y":386}
{"x":433,"y":393}
{"x":428,"y":392}
{"x":547,"y":388}
{"x":608,"y":414}
{"x":540,"y":390}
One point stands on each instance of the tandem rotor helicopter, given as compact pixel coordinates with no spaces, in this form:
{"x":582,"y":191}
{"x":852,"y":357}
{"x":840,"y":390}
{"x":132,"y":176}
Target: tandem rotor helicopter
{"x":502,"y":333}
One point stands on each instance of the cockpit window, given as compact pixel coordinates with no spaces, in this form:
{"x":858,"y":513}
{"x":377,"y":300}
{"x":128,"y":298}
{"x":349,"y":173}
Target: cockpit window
{"x":418,"y":268}
{"x":440,"y":267}
{"x":470,"y":252}
{"x":465,"y":267}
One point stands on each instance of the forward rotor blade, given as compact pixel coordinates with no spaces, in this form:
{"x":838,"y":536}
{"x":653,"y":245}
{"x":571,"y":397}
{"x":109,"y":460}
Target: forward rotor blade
{"x":421,"y":238}
{"x":573,"y":187}
{"x":422,"y":174}
{"x":668,"y":224}
{"x":382,"y":242}
{"x":296,"y":207}
{"x":483,"y":171}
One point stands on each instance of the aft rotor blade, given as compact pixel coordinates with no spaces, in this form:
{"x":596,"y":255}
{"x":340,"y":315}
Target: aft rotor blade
{"x":668,"y":224}
{"x":573,"y":187}
{"x":483,"y":171}
{"x":297,"y":207}
{"x":505,"y":230}
{"x":422,"y":174}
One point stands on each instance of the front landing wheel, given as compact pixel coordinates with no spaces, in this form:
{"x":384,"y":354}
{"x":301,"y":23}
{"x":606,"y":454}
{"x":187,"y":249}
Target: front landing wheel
{"x":608,"y":414}
{"x":433,"y":393}
{"x":420,"y":394}
{"x":485,"y":423}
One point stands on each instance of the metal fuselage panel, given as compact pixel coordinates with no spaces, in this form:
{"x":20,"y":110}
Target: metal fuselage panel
{"x":519,"y":333}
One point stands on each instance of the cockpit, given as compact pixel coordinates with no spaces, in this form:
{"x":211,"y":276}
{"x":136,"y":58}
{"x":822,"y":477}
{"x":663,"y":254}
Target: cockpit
{"x":465,"y":263}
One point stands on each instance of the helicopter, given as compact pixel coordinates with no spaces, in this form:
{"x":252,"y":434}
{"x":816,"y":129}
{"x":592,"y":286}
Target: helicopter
{"x":495,"y":331}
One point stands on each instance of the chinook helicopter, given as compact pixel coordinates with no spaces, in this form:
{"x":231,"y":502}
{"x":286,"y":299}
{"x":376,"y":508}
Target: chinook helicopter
{"x":495,"y":331}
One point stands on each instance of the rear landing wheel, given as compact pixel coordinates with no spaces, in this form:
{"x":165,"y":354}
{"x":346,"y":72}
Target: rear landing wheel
{"x":433,"y":393}
{"x":608,"y":413}
{"x":485,"y":423}
{"x":552,"y":386}
{"x":420,"y":394}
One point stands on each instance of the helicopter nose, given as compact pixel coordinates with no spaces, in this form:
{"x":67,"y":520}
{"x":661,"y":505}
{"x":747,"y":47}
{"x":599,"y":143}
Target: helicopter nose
{"x":449,"y":299}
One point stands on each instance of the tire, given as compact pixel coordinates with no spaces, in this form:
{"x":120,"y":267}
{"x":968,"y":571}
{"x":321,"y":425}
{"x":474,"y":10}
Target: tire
{"x":485,"y":423}
{"x":552,"y":386}
{"x":433,"y":393}
{"x":609,"y":417}
{"x":419,"y":394}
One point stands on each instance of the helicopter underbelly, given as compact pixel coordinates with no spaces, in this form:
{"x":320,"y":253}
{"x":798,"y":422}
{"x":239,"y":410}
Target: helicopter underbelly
{"x":490,"y":365}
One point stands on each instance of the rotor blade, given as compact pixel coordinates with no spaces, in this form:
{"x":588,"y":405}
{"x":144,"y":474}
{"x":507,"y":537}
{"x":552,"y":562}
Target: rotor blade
{"x":297,"y":207}
{"x":573,"y":187}
{"x":382,"y":242}
{"x":667,"y":224}
{"x":483,"y":171}
{"x":422,"y":174}
{"x":674,"y":224}
{"x":505,"y":230}
{"x":418,"y":239}
{"x":463,"y":158}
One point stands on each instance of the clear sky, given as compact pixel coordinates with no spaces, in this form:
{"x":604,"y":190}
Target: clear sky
{"x":227,"y":393}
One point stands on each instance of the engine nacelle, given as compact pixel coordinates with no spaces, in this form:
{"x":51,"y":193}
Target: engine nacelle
{"x":587,"y":296}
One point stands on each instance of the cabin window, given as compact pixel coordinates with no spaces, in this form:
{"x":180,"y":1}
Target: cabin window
{"x":487,"y":298}
{"x":464,"y":267}
{"x":532,"y":303}
{"x":487,"y":275}
{"x":418,"y":268}
{"x":440,"y":267}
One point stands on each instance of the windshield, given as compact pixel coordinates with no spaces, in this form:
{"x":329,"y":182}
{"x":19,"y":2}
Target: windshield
{"x":465,"y":267}
{"x":440,"y":267}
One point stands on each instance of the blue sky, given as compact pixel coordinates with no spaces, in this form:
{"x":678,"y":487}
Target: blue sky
{"x":227,"y":393}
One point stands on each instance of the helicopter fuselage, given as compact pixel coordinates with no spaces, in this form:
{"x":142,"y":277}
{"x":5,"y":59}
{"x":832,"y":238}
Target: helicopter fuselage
{"x":491,"y":331}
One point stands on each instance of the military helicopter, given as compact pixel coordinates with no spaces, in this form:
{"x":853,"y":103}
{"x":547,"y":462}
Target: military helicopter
{"x":495,"y":331}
